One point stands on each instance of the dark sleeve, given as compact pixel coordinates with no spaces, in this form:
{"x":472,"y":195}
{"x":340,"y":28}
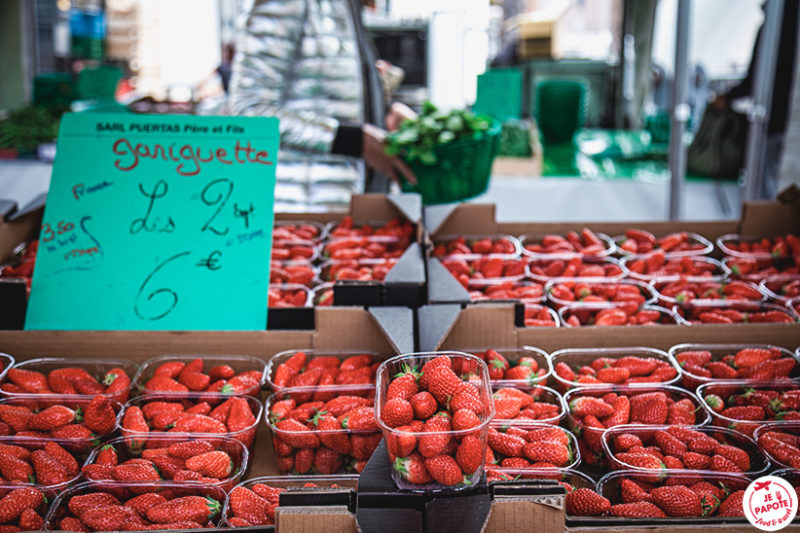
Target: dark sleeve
{"x":349,"y":140}
{"x":745,"y":87}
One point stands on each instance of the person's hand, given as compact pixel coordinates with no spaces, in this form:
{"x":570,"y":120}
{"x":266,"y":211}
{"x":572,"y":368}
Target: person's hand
{"x":397,"y":114}
{"x":375,"y":157}
{"x":721,"y":102}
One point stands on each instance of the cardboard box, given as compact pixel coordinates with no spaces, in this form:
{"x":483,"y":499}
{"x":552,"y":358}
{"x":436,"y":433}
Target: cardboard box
{"x":766,"y":219}
{"x":384,"y":330}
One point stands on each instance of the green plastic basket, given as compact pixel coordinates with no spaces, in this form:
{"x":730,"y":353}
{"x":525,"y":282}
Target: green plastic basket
{"x":560,"y":108}
{"x":462,"y":170}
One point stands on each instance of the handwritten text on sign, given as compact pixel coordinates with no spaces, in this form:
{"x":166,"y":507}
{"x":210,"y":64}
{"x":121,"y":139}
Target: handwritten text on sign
{"x":157,"y":222}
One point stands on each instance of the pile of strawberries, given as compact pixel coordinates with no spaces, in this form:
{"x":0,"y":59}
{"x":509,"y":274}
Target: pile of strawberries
{"x":626,"y":370}
{"x":539,"y":316}
{"x":657,"y":265}
{"x":524,"y":368}
{"x":586,"y":243}
{"x":324,"y":371}
{"x":526,"y":291}
{"x":746,"y":406}
{"x":628,"y":295}
{"x":539,"y":404}
{"x":594,"y":411}
{"x":291,"y":272}
{"x":154,"y":414}
{"x":777,"y":247}
{"x":758,"y":269}
{"x":283,"y":296}
{"x":293,"y":251}
{"x":486,"y":267}
{"x":689,"y":497}
{"x":68,"y":381}
{"x":46,"y":463}
{"x":183,"y":377}
{"x":615,"y":316}
{"x":148,"y":507}
{"x":758,"y":363}
{"x":78,"y":420}
{"x":680,"y":448}
{"x":255,"y":505}
{"x":347,"y":242}
{"x":358,"y":270}
{"x":642,"y":242}
{"x":683,"y":291}
{"x":530,"y":447}
{"x":324,"y":437}
{"x":302,"y":231}
{"x":576,"y":267}
{"x":781,"y":445}
{"x":427,"y":416}
{"x":206,"y":461}
{"x":484,"y":246}
{"x":783,"y":287}
{"x":735,"y":313}
{"x":22,"y":509}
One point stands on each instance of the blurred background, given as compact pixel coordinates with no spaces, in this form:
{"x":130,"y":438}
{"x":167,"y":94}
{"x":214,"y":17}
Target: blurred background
{"x":605,"y":150}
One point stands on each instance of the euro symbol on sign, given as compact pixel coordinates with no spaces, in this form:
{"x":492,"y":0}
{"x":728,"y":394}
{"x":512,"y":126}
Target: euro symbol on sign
{"x":211,"y":262}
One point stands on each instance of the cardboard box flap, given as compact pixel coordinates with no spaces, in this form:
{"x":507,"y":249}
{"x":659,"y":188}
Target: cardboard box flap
{"x":514,"y":514}
{"x":7,"y":208}
{"x":381,"y":208}
{"x":490,"y":324}
{"x":389,"y":331}
{"x":435,"y":323}
{"x":442,"y":286}
{"x":409,"y":268}
{"x":409,"y":204}
{"x":34,"y":206}
{"x":302,"y":497}
{"x":477,"y":219}
{"x":315,"y":520}
{"x":770,"y":219}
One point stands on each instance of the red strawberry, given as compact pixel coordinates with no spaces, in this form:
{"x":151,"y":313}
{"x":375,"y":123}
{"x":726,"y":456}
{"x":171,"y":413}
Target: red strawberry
{"x":33,"y":382}
{"x":505,"y":444}
{"x":643,"y":461}
{"x":586,"y":502}
{"x":97,"y":472}
{"x":216,"y":464}
{"x":14,"y":469}
{"x":109,"y":518}
{"x":327,"y":461}
{"x":669,"y":444}
{"x":515,"y":462}
{"x":436,"y":439}
{"x":164,"y":384}
{"x":716,"y":403}
{"x":54,"y":450}
{"x":469,"y":454}
{"x":52,"y":417}
{"x":245,"y":503}
{"x":412,"y":469}
{"x":296,"y":434}
{"x":167,"y":465}
{"x":79,"y":504}
{"x":547,"y":451}
{"x":195,"y":381}
{"x":465,"y":419}
{"x":443,"y":383}
{"x":330,"y":433}
{"x":444,"y":470}
{"x":506,"y":407}
{"x":616,"y":375}
{"x":744,"y":412}
{"x":588,"y":405}
{"x":193,"y":508}
{"x":99,"y":416}
{"x":636,"y":510}
{"x":622,"y":412}
{"x":342,"y":404}
{"x":649,"y":408}
{"x":70,"y":523}
{"x":737,"y":456}
{"x":303,"y":460}
{"x":721,"y":464}
{"x":170,"y":369}
{"x":497,"y":364}
{"x":471,"y":402}
{"x":362,"y":445}
{"x":133,"y":420}
{"x":400,"y":443}
{"x":117,"y":384}
{"x":732,"y":506}
{"x":143,"y":502}
{"x":632,"y":492}
{"x":403,"y":387}
{"x":15,"y":502}
{"x":695,"y":440}
{"x":397,"y":412}
{"x":189,"y":448}
{"x":750,"y":357}
{"x":626,"y":441}
{"x":30,"y":520}
{"x":136,"y":473}
{"x":548,"y":434}
{"x":359,"y":418}
{"x":696,"y":461}
{"x":424,"y":404}
{"x":677,"y":500}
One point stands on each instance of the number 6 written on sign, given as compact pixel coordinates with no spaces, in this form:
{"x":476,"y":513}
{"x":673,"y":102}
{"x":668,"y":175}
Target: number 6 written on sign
{"x":171,"y":297}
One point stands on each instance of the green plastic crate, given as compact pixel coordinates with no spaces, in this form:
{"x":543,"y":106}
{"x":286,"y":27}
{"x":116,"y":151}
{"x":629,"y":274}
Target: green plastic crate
{"x":560,"y":108}
{"x":462,"y":170}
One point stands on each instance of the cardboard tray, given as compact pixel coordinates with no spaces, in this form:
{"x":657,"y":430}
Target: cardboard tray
{"x":758,"y":219}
